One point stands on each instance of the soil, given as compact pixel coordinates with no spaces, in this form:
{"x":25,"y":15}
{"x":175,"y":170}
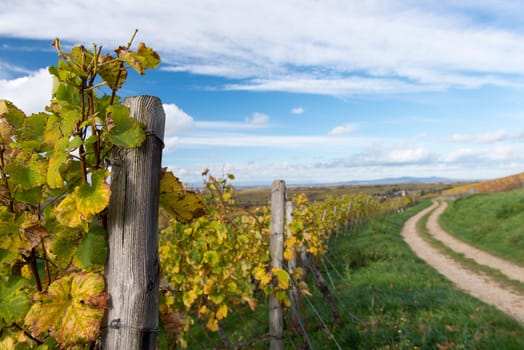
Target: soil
{"x":473,"y":282}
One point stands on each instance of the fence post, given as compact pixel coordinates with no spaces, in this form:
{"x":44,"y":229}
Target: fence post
{"x":133,"y":267}
{"x":291,"y":264}
{"x":276,"y":249}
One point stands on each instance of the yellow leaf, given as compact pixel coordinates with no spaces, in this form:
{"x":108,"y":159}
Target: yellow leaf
{"x":93,"y":198}
{"x":282,"y":277}
{"x":180,"y":204}
{"x":222,"y":312}
{"x":202,"y":311}
{"x":252,"y":302}
{"x":71,"y":309}
{"x":189,"y":298}
{"x":67,"y":213}
{"x":208,"y":286}
{"x":212,"y":324}
{"x":288,"y":254}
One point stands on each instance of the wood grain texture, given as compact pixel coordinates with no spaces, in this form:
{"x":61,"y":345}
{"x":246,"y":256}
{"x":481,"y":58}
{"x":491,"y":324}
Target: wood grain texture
{"x":133,"y":266}
{"x":276,"y":249}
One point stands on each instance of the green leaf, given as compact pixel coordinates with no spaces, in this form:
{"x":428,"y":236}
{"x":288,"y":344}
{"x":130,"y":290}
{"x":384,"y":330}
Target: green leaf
{"x":211,"y":257}
{"x":32,"y":196}
{"x":63,"y":247}
{"x":68,"y":93}
{"x":93,"y":198}
{"x":34,"y":127}
{"x":7,"y":261}
{"x":31,"y":175}
{"x":10,"y":238}
{"x":74,"y":143}
{"x":14,"y":302}
{"x":124,"y":131}
{"x":12,"y":114}
{"x":182,"y":205}
{"x":93,"y":249}
{"x":72,"y":309}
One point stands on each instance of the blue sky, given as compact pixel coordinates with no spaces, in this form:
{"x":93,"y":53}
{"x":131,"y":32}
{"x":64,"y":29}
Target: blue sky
{"x":303,"y":90}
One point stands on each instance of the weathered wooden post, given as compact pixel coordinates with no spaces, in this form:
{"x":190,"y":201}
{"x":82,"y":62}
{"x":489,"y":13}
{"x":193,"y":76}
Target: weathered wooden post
{"x":133,"y":266}
{"x":276,"y":249}
{"x":292,"y":264}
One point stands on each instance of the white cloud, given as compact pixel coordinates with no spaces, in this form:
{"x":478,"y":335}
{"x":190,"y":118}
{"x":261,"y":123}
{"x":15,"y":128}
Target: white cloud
{"x":462,"y":155}
{"x":396,"y":156}
{"x":343,"y":129}
{"x":338,"y":86}
{"x":177,"y":120}
{"x":268,"y":44}
{"x":257,"y":119}
{"x":297,"y":110}
{"x":497,"y":136}
{"x":30,"y":93}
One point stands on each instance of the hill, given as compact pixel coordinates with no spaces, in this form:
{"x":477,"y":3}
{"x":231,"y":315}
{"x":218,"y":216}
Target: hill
{"x":502,"y":184}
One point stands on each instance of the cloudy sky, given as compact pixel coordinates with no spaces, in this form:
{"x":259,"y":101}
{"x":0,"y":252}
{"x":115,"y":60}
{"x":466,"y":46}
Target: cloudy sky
{"x":304,"y":90}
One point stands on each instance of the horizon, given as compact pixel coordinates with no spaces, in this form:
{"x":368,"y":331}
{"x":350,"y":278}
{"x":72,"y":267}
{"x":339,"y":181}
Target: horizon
{"x":305,"y":91}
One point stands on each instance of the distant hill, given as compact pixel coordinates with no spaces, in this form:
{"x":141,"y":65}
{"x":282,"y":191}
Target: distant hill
{"x":400,"y":180}
{"x":502,"y":184}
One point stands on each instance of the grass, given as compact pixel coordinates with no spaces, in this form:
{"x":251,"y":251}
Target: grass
{"x":388,"y":298}
{"x":490,"y":222}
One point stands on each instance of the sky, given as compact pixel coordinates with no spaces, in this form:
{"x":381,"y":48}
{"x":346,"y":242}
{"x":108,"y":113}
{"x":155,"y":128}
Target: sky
{"x":307,"y":91}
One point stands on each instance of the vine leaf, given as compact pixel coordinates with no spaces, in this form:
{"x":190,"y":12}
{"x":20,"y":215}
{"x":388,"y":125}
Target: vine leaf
{"x":67,"y":213}
{"x":11,"y":238}
{"x":93,"y":198}
{"x":111,"y":71}
{"x":124,"y":131}
{"x":92,"y":252}
{"x":14,"y":116}
{"x":72,"y":309}
{"x":180,"y":204}
{"x":85,"y":201}
{"x":54,"y":178}
{"x":14,"y":303}
{"x":144,"y":58}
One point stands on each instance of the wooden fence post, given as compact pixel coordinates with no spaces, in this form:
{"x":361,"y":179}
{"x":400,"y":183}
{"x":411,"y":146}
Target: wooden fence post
{"x":292,"y":264}
{"x":133,"y":266}
{"x":276,"y":249}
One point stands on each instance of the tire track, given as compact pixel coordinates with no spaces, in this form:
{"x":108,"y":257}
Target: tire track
{"x":477,"y":284}
{"x":509,"y":269}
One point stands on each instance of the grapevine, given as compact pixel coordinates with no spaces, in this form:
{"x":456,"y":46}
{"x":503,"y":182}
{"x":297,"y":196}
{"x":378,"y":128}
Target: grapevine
{"x":54,"y":169}
{"x":220,"y":260}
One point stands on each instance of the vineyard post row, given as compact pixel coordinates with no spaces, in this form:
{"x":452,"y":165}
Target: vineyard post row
{"x":133,"y":266}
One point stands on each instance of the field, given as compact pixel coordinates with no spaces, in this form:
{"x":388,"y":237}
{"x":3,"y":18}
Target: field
{"x":258,"y":196}
{"x":389,"y":299}
{"x":491,"y":222}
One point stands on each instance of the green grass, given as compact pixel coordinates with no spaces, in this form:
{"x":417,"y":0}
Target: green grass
{"x":389,"y":299}
{"x":493,"y":223}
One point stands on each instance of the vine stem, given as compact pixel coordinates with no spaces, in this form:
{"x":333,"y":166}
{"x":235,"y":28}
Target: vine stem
{"x":31,"y":259}
{"x":6,"y":182}
{"x":38,"y":341}
{"x":129,"y":43}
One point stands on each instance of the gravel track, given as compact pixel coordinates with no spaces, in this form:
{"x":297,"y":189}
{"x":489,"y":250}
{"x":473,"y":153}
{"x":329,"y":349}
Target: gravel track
{"x":475,"y":283}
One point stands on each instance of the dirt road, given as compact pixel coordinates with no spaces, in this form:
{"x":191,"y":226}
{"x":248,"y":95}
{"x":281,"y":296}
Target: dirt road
{"x":475,"y":283}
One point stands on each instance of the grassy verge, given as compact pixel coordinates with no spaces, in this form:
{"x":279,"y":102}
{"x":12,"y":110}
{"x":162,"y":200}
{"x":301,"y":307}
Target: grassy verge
{"x":491,"y":222}
{"x":388,"y":299}
{"x":468,"y":263}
